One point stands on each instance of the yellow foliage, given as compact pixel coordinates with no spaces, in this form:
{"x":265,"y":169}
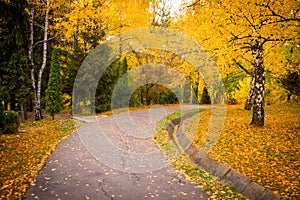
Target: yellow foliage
{"x":241,"y":93}
{"x":224,"y":28}
{"x":23,"y":154}
{"x":268,"y":155}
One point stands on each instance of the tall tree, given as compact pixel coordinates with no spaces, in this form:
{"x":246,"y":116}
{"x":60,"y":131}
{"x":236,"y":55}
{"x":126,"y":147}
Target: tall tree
{"x":54,"y":90}
{"x":37,"y":82}
{"x":13,"y":47}
{"x":122,"y":89}
{"x":248,"y":29}
{"x":291,"y":82}
{"x":205,"y":99}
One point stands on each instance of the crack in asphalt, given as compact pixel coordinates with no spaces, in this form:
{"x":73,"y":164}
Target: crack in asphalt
{"x":100,"y":185}
{"x":123,"y":158}
{"x":137,"y":179}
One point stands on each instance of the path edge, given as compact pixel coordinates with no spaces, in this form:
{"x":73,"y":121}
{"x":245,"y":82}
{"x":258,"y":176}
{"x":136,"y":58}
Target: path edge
{"x":243,"y":184}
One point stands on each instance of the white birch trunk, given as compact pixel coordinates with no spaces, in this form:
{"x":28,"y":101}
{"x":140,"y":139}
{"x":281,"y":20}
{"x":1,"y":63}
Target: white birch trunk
{"x":249,"y":101}
{"x":259,"y":82}
{"x":30,"y":57}
{"x":39,"y":84}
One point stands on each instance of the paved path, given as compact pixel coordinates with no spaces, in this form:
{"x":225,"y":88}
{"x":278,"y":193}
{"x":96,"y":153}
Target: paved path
{"x":113,"y":158}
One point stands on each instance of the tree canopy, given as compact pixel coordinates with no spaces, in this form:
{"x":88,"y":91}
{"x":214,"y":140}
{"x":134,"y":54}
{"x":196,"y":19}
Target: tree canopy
{"x":255,"y":45}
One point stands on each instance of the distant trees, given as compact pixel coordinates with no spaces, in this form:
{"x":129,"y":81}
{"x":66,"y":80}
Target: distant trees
{"x":121,"y":90}
{"x":54,"y":90}
{"x":205,"y":99}
{"x":245,"y":37}
{"x":13,"y":59}
{"x":246,"y":31}
{"x":291,"y":82}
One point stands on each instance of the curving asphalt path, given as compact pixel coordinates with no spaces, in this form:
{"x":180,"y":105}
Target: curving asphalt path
{"x":113,"y":157}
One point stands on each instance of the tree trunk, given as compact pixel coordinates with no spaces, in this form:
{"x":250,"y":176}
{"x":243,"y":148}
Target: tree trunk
{"x":25,"y":110}
{"x":258,"y":106}
{"x":249,"y":101}
{"x":197,"y":92}
{"x":289,"y":97}
{"x":22,"y":112}
{"x":158,"y":94}
{"x":147,"y":96}
{"x":38,"y":113}
{"x":148,"y":87}
{"x":141,"y":96}
{"x":191,"y":100}
{"x":31,"y":63}
{"x":5,"y":105}
{"x":12,"y":103}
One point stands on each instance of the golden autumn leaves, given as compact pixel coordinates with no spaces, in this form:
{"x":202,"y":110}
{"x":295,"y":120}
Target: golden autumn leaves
{"x":23,"y":154}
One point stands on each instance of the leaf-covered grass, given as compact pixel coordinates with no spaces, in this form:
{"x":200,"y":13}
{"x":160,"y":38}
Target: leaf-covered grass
{"x":24,"y":153}
{"x":269,"y":155}
{"x":209,"y":184}
{"x":128,"y":109}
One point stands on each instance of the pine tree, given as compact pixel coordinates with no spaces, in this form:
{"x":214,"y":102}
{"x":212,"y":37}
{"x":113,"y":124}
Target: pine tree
{"x":205,"y":99}
{"x":54,"y":90}
{"x":291,"y":82}
{"x":122,"y":90}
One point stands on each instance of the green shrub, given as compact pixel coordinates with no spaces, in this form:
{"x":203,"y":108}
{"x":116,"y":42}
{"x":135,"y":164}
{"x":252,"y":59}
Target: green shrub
{"x":12,"y":121}
{"x":205,"y":97}
{"x":54,"y":102}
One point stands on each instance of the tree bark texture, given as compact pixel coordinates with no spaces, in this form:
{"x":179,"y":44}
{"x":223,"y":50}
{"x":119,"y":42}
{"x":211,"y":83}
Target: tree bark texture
{"x":38,"y":113}
{"x":259,"y":82}
{"x":30,"y":57}
{"x":249,"y":101}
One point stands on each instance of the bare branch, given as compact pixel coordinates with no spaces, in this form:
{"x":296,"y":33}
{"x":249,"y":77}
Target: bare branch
{"x":242,"y":67}
{"x":281,"y":17}
{"x":193,"y":4}
{"x":42,"y":41}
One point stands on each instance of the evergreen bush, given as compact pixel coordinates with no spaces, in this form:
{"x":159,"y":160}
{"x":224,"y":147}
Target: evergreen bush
{"x":12,"y":121}
{"x":205,"y":99}
{"x":54,"y":90}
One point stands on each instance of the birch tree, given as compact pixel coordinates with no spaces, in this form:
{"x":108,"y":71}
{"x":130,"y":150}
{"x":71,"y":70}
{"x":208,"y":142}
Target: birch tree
{"x":37,"y":83}
{"x":248,"y":30}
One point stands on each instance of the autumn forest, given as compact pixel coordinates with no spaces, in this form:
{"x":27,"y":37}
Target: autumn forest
{"x":254,"y":44}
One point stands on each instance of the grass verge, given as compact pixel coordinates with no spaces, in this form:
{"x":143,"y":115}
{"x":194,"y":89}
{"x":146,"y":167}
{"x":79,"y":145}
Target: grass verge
{"x":268,"y":155}
{"x":209,"y":184}
{"x":24,"y":153}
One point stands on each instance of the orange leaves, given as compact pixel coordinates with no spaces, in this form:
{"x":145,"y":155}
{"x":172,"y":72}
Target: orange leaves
{"x":209,"y":184}
{"x":23,"y":154}
{"x":268,"y":155}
